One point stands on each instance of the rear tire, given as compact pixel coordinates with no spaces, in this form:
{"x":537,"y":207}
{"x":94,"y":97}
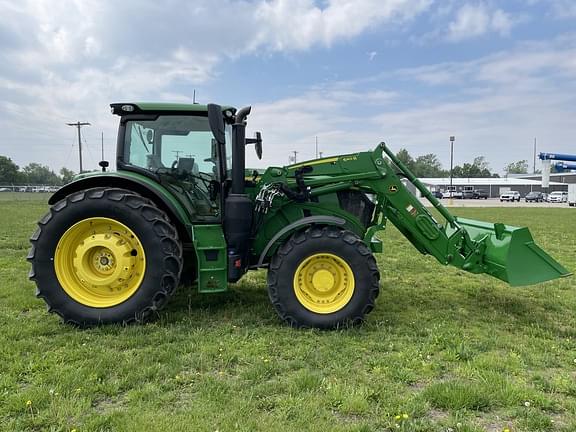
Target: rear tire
{"x":324,"y":277}
{"x":102,"y":256}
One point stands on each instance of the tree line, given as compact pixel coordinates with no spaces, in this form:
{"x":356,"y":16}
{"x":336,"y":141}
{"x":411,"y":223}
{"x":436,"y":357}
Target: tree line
{"x":429,"y":165}
{"x":33,"y":173}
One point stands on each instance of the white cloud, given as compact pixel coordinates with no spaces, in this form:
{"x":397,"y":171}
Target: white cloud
{"x":563,"y":9}
{"x":66,"y":60}
{"x":300,"y":24}
{"x":495,"y":106}
{"x":473,"y":20}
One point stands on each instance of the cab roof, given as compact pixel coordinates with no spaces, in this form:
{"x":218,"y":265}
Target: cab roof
{"x":125,"y":108}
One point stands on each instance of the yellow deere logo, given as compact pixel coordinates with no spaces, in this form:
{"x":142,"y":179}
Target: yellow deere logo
{"x":393,"y":189}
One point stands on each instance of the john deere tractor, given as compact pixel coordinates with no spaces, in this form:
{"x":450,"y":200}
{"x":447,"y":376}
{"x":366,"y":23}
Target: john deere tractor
{"x":181,"y":204}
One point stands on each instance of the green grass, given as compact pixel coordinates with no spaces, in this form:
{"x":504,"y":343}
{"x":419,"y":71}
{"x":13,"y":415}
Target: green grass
{"x":449,"y":349}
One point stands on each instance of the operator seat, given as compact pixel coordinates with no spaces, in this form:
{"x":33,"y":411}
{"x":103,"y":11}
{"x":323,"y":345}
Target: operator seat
{"x":186,"y":166}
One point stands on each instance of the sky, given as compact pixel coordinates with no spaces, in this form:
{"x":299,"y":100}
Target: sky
{"x":495,"y":74}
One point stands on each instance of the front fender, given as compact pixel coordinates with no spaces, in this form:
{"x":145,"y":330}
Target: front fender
{"x":295,"y":226}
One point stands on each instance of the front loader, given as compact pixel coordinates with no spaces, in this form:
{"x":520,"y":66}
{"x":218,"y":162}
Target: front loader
{"x":181,"y":206}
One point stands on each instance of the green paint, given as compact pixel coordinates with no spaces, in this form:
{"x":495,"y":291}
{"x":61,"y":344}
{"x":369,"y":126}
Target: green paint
{"x":505,"y":252}
{"x":212,"y":258}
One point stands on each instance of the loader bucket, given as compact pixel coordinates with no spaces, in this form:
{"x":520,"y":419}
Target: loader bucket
{"x":511,"y":253}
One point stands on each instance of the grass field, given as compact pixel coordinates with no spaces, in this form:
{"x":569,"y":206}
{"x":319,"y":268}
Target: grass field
{"x":442,"y":351}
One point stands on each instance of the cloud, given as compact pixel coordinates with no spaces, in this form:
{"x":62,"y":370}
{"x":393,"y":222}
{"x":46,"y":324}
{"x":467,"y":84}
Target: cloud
{"x":495,"y":106}
{"x":473,"y":20}
{"x":300,"y":24}
{"x":66,"y":60}
{"x":563,"y":9}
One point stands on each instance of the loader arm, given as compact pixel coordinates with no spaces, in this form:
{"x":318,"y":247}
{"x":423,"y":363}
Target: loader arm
{"x":505,"y":252}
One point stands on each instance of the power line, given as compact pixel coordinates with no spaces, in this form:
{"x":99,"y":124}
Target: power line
{"x":79,"y":125}
{"x":87,"y":147}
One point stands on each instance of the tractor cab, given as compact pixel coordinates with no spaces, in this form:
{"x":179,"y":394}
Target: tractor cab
{"x":175,"y":144}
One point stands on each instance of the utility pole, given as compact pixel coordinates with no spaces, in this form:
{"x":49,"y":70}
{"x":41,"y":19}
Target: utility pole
{"x":316,"y":146}
{"x":295,"y":153}
{"x":79,"y":125}
{"x":320,"y":153}
{"x":102,"y":146}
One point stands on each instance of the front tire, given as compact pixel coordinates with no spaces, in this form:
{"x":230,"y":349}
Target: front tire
{"x":102,"y":256}
{"x":324,"y":277}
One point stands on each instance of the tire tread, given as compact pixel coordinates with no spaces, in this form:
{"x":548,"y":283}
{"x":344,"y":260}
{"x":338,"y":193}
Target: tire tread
{"x":162,"y":227}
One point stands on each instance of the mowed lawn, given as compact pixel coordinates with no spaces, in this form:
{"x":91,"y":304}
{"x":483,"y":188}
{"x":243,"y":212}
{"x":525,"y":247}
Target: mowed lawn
{"x":442,"y":351}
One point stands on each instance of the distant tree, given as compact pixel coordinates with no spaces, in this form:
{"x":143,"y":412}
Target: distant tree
{"x":520,"y":167}
{"x":406,"y":159}
{"x":457,"y":172}
{"x":478,"y":168}
{"x":481,"y":163}
{"x":34,"y":173}
{"x":8,"y":171}
{"x":67,"y":175}
{"x":428,"y":166}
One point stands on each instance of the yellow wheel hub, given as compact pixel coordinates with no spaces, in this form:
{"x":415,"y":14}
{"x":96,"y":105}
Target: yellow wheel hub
{"x":324,"y":283}
{"x":99,"y":262}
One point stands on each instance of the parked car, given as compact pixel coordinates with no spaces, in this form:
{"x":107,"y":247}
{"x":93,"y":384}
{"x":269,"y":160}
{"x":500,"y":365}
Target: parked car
{"x":5,"y":189}
{"x":452,"y":194}
{"x":558,"y":196}
{"x":480,"y":194}
{"x":534,"y":197}
{"x":437,"y":194}
{"x":510,"y":196}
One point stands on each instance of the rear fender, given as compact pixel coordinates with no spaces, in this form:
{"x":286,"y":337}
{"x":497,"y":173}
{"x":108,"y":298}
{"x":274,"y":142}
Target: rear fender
{"x":157,"y":194}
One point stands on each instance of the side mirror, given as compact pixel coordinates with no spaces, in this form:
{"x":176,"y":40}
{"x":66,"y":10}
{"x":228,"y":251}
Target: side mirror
{"x":216,"y":121}
{"x":103,"y":164}
{"x":257,"y":141}
{"x":258,"y":144}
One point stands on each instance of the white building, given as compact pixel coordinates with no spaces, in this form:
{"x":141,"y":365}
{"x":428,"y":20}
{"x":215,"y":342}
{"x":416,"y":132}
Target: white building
{"x":493,"y":185}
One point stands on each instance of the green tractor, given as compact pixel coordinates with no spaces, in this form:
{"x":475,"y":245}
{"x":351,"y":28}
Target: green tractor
{"x":181,"y":205}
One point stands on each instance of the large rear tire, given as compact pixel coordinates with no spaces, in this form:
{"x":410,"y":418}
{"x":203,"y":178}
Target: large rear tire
{"x":103,"y":256}
{"x":324,"y":277}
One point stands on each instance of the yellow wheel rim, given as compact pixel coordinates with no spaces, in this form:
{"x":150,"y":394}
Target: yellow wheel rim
{"x":324,"y":283}
{"x":99,"y":262}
